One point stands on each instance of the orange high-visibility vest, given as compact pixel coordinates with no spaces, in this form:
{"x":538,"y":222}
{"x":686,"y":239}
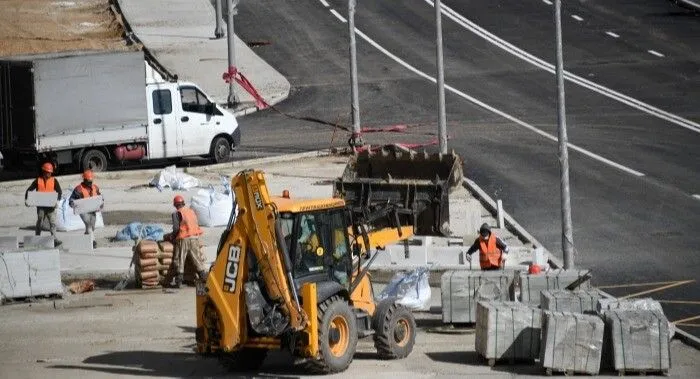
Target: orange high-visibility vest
{"x":189,"y":226}
{"x":45,"y":185}
{"x":85,"y":191}
{"x":489,"y":254}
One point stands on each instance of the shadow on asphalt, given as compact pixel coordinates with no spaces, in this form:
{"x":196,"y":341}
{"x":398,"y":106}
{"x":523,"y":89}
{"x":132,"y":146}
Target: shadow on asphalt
{"x":179,"y":364}
{"x":460,"y":357}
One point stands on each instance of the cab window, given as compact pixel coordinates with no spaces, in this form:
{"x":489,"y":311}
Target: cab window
{"x":193,"y":100}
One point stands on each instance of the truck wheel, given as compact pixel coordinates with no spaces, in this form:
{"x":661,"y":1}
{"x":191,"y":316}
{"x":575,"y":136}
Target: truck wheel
{"x":220,"y":150}
{"x":243,"y":360}
{"x":337,"y":336}
{"x":94,"y":160}
{"x":394,"y":330}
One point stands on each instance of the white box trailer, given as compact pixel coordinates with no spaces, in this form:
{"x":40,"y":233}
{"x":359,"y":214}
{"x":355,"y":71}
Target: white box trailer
{"x":96,"y":108}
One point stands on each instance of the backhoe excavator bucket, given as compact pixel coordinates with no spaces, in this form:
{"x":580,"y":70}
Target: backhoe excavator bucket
{"x":399,"y":187}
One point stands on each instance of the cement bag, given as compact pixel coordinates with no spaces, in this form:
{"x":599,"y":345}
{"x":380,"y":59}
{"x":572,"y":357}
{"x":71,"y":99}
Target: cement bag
{"x":175,"y":179}
{"x":67,"y":220}
{"x":411,"y":289}
{"x":213,"y":208}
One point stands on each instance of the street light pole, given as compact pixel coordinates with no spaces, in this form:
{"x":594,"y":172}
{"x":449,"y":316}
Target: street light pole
{"x":230,"y":38}
{"x":355,"y":139}
{"x":219,"y":30}
{"x":567,"y":229}
{"x":442,"y":118}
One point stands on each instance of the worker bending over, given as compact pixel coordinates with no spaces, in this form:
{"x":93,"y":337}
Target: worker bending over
{"x":84,"y":190}
{"x":492,"y":250}
{"x":185,"y":237}
{"x":45,"y":183}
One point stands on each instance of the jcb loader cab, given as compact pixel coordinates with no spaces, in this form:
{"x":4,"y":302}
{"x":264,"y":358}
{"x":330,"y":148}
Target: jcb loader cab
{"x":292,"y":273}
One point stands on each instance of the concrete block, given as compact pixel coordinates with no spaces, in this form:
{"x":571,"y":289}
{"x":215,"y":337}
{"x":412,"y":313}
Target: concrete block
{"x":506,"y":329}
{"x":77,"y":242}
{"x":9,"y":243}
{"x":530,"y":286}
{"x":30,"y":273}
{"x":571,"y":342}
{"x":583,"y":301}
{"x":42,"y":199}
{"x":462,"y":289}
{"x":638,"y":340}
{"x":38,"y":242}
{"x":647,"y":303}
{"x":91,"y":204}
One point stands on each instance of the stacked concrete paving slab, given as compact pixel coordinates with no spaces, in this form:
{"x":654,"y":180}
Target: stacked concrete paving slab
{"x":507,"y":330}
{"x":639,"y":341}
{"x":571,"y":342}
{"x":584,"y":301}
{"x":531,"y":285}
{"x":461,"y":290}
{"x":32,"y":273}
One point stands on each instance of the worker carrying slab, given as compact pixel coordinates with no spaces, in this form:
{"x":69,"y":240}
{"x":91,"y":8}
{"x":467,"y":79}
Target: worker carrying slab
{"x":185,"y":237}
{"x":84,"y":190}
{"x":45,"y":183}
{"x":492,"y":250}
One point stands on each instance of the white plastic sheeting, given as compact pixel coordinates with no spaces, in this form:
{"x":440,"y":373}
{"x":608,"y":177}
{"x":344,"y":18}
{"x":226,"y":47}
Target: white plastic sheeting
{"x":213,"y":208}
{"x":174,"y":179}
{"x":411,"y":289}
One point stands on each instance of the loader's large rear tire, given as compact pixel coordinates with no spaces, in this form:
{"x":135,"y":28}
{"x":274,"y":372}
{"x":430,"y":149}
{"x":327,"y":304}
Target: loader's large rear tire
{"x":244,"y":360}
{"x":394,"y":330}
{"x":337,"y":336}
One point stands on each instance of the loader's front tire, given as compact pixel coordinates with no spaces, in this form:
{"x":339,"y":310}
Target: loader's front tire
{"x":394,"y":330}
{"x":337,"y":336}
{"x":244,"y":360}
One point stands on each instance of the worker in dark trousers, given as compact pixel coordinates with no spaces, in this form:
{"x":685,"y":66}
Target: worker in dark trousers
{"x":492,"y":250}
{"x":45,"y":183}
{"x":84,"y":190}
{"x":185,"y":237}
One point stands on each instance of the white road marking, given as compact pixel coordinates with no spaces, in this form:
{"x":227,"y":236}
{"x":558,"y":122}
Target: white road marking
{"x":325,"y":3}
{"x":547,"y":2}
{"x":654,"y":52}
{"x":516,"y":51}
{"x":613,"y":35}
{"x":338,"y":16}
{"x":696,"y":196}
{"x":495,"y":110}
{"x":577,"y":18}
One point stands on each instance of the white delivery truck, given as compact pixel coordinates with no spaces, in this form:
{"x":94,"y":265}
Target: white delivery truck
{"x":96,"y":109}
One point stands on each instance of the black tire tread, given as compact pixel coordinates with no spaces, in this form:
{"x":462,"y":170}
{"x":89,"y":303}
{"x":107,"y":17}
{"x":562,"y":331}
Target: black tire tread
{"x":382,"y":330}
{"x":320,"y":366}
{"x":243,"y":360}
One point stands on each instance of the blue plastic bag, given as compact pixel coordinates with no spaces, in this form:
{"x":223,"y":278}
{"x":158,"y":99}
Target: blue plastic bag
{"x":137,"y":230}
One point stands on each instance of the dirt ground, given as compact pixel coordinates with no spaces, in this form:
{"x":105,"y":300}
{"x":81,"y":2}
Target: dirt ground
{"x":42,"y":26}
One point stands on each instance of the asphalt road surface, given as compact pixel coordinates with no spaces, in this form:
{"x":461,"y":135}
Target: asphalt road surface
{"x":633,"y":115}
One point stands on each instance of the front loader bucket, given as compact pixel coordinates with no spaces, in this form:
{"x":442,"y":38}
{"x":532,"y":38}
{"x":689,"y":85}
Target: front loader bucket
{"x":400,"y":187}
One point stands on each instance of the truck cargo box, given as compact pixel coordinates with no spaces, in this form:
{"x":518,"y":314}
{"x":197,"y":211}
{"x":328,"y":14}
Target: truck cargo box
{"x":72,"y":99}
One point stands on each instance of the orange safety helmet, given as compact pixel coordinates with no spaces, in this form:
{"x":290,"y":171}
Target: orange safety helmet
{"x":47,"y":167}
{"x":178,"y":200}
{"x":87,"y":175}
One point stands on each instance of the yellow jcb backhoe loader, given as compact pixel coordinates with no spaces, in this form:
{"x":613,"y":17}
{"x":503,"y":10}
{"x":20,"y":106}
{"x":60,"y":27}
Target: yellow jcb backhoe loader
{"x":292,"y":273}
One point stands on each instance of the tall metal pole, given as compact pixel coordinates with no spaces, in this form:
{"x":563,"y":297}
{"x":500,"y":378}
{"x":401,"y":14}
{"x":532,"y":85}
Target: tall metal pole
{"x":219,"y":30}
{"x":567,"y":230}
{"x":442,"y":118}
{"x":230,"y":38}
{"x":356,"y":138}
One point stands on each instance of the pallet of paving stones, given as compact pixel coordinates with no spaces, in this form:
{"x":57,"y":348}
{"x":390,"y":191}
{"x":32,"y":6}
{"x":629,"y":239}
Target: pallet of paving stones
{"x":152,"y":263}
{"x":531,"y":285}
{"x":638,"y":341}
{"x":462,"y":289}
{"x":572,"y":343}
{"x":507,"y":330}
{"x":580,"y":301}
{"x":30,"y":274}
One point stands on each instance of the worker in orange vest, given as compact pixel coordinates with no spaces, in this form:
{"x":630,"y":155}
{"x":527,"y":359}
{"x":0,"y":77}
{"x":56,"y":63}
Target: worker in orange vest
{"x":85,"y":190}
{"x":185,"y":237}
{"x":45,"y":183}
{"x":492,"y":250}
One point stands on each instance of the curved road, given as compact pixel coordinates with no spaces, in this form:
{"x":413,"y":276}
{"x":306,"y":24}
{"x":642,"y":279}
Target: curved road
{"x":633,"y":112}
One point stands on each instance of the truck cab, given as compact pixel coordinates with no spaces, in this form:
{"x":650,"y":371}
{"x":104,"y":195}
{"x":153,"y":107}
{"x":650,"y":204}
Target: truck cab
{"x":183,"y":121}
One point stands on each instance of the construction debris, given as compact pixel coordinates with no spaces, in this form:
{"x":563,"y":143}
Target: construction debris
{"x":81,"y":286}
{"x":639,"y":341}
